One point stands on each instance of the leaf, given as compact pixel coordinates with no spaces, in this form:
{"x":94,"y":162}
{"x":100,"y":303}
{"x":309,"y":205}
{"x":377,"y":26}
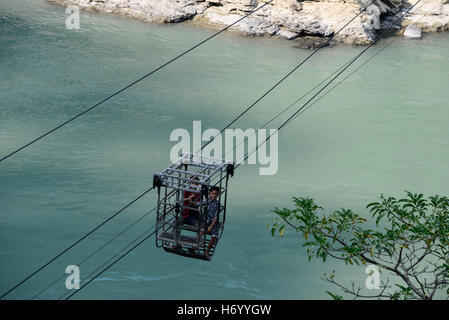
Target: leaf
{"x":395,"y":296}
{"x":273,"y":230}
{"x":334,"y":296}
{"x":281,"y":230}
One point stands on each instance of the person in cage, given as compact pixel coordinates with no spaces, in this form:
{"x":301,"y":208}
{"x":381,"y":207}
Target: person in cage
{"x":191,"y":216}
{"x":210,"y":219}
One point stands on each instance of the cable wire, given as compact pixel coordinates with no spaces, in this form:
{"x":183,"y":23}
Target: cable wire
{"x":74,"y":244}
{"x":259,"y":99}
{"x":285,"y":77}
{"x":117,"y":260}
{"x":283,"y":125}
{"x":95,"y":252}
{"x":148,"y":74}
{"x":134,"y":82}
{"x":319,"y":84}
{"x":109,"y":260}
{"x":96,"y":105}
{"x":358,"y":68}
{"x":315,"y":95}
{"x":288,"y":107}
{"x":248,"y":154}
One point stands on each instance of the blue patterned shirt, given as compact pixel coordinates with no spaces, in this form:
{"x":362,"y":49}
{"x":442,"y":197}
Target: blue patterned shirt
{"x":211,"y":214}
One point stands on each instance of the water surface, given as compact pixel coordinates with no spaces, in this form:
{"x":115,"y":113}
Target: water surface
{"x":384,"y":130}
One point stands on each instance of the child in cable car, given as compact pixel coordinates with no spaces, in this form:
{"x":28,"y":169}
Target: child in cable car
{"x":211,"y":217}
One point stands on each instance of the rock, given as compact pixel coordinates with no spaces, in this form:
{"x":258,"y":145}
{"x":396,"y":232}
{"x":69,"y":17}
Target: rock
{"x":445,"y":9}
{"x":311,"y":42}
{"x":284,"y":18}
{"x":288,"y":34}
{"x":431,"y":16}
{"x":427,"y":7}
{"x":413,"y":32}
{"x":288,"y":4}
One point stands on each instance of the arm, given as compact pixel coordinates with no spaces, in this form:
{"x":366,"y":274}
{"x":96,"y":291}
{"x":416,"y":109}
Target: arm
{"x":189,"y":198}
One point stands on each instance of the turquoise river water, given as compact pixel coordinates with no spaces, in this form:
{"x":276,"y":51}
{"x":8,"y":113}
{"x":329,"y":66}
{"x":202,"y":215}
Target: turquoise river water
{"x":384,"y":130}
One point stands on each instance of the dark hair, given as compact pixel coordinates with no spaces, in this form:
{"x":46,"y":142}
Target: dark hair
{"x":214,"y":188}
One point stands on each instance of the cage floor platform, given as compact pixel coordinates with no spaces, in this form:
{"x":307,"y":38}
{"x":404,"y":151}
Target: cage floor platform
{"x":183,"y":239}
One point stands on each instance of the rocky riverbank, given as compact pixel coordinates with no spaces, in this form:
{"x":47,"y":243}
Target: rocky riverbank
{"x":290,"y":19}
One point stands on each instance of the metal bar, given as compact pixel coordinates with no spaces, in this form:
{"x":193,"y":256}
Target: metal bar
{"x":225,"y":204}
{"x":166,"y":214}
{"x":202,"y":164}
{"x":164,"y":198}
{"x":219,"y":203}
{"x":181,"y":188}
{"x":190,"y":173}
{"x":168,"y":176}
{"x":157,"y":216}
{"x":173,"y":184}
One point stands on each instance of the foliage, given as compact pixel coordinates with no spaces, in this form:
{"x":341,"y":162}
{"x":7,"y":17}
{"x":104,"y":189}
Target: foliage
{"x":409,"y":239}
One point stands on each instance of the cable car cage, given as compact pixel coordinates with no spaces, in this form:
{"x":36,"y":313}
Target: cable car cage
{"x":195,"y":174}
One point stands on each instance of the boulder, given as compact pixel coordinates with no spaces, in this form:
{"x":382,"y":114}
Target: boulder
{"x":288,"y":34}
{"x":413,"y":32}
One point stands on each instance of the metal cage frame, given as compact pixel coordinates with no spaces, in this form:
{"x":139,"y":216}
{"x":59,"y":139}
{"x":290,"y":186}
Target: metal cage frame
{"x":172,"y":182}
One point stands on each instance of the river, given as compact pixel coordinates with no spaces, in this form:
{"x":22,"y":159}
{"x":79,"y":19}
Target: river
{"x":384,"y":130}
